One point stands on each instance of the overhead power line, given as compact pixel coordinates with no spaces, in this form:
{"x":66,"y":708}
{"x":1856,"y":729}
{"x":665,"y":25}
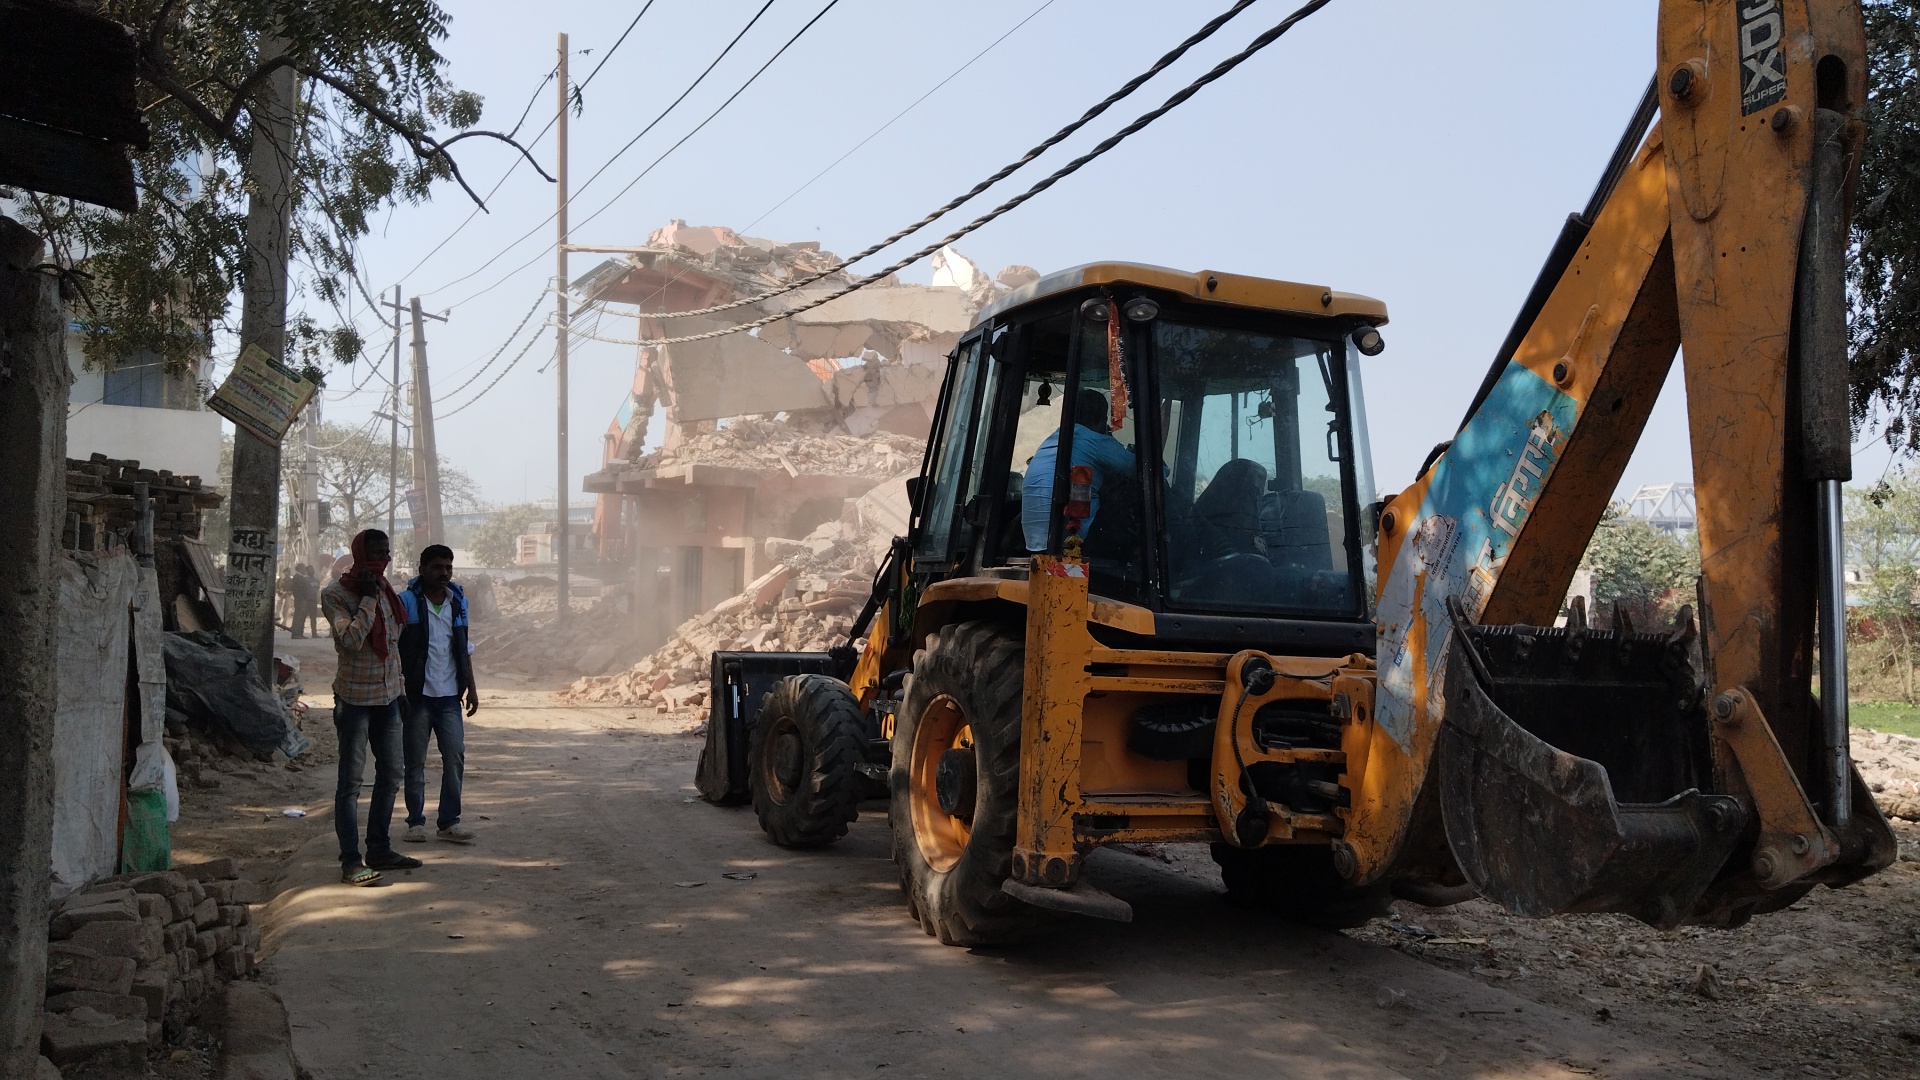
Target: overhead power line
{"x":524,"y":319}
{"x":831,"y":4}
{"x":496,"y":379}
{"x":523,"y":237}
{"x":1219,"y":71}
{"x":1126,"y":89}
{"x":518,"y":161}
{"x":896,"y":116}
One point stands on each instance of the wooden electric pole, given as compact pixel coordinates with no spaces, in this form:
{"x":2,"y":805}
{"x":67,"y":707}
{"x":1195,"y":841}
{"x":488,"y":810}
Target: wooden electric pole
{"x":562,"y":541}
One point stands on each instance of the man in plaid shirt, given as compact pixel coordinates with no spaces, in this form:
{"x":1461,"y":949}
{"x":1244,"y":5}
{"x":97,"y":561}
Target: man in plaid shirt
{"x":366,"y":618}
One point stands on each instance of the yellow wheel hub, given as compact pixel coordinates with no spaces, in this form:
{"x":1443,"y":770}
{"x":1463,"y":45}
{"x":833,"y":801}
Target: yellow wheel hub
{"x":942,"y":798}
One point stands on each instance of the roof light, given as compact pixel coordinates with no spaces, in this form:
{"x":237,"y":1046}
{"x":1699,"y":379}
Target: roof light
{"x":1141,"y":309}
{"x":1369,"y":341}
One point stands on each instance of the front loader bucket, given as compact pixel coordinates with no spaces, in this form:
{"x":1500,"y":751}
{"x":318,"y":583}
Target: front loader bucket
{"x":1570,"y":763}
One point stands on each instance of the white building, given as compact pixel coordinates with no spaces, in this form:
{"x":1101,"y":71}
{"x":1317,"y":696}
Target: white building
{"x":137,"y":411}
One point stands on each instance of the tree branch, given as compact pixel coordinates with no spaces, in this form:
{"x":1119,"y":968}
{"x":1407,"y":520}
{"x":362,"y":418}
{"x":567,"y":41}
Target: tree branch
{"x":509,"y":140}
{"x":424,"y":145}
{"x":158,"y":71}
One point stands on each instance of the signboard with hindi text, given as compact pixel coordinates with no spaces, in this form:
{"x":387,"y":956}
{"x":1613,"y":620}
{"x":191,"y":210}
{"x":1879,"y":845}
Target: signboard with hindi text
{"x":261,"y":396}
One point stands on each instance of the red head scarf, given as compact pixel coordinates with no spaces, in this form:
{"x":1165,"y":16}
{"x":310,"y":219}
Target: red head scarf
{"x":377,"y":636}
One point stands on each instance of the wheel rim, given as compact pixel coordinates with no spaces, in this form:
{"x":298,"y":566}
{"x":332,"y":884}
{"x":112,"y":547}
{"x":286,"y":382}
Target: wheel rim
{"x":784,"y":765}
{"x":942,"y":836}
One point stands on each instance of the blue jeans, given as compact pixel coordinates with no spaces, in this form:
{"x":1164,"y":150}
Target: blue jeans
{"x":360,"y":726}
{"x":438,"y":717}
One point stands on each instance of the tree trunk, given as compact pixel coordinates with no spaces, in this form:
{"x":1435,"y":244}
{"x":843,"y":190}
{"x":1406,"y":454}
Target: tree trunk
{"x":254,"y":508}
{"x":33,"y":439}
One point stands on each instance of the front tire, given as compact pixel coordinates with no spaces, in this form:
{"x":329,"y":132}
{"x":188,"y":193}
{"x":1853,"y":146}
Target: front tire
{"x":955,"y":787}
{"x":803,"y":761}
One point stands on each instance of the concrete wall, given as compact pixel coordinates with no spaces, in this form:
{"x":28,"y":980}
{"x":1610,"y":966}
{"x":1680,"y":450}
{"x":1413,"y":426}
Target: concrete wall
{"x":187,"y":443}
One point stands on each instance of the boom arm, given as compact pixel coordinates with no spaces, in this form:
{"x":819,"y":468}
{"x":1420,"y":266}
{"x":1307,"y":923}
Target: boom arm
{"x":1698,"y":247}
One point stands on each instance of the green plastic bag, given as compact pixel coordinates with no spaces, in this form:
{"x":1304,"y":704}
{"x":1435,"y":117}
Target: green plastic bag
{"x":145,"y":845}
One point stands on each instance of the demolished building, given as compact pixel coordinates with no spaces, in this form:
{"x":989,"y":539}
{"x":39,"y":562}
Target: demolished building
{"x":766,"y":433}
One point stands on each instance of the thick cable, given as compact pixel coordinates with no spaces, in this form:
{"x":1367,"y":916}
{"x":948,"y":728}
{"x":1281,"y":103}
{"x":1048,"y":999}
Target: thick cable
{"x":1126,"y":89}
{"x":1219,"y":70}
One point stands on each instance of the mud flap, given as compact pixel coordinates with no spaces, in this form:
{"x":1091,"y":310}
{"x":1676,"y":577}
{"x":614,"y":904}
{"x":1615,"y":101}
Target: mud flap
{"x":1540,"y":830}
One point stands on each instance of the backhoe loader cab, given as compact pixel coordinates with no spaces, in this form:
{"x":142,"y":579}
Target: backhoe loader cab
{"x":1198,"y":440}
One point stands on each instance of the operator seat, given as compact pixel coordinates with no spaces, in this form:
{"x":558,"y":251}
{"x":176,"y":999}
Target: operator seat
{"x":1226,"y":529}
{"x":1294,"y":525}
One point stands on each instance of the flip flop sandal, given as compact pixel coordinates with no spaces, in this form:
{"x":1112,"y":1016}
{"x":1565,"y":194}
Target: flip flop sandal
{"x":396,"y":861}
{"x":361,"y":875}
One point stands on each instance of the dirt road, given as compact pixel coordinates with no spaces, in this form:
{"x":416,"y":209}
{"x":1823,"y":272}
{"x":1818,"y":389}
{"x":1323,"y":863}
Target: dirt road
{"x":594,"y":932}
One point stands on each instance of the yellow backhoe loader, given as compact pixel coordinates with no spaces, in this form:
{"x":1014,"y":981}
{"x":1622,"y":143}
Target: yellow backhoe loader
{"x":1148,"y":594}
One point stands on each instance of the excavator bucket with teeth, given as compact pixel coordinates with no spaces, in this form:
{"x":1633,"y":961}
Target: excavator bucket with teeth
{"x":1572,"y":763}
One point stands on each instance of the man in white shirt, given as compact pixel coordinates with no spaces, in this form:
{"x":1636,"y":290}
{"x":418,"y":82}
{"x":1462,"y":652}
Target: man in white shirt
{"x":435,"y":658}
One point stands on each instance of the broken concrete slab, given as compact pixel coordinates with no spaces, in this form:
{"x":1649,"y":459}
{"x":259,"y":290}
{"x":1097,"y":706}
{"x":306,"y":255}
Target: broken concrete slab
{"x":257,"y":1040}
{"x":75,"y":967}
{"x":73,"y":917}
{"x":74,"y":1036}
{"x":121,"y":1005}
{"x":736,"y":375}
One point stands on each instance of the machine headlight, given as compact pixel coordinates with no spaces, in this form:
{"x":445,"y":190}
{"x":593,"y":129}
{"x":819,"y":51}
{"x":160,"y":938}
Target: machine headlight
{"x":1369,"y":341}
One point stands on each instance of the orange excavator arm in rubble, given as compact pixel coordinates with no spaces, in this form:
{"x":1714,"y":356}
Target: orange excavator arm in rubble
{"x":1719,"y":233}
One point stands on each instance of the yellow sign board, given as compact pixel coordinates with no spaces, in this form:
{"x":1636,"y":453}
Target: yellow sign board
{"x":261,"y":396}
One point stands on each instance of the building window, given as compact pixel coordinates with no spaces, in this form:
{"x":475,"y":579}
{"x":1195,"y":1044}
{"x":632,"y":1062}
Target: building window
{"x":138,"y":383}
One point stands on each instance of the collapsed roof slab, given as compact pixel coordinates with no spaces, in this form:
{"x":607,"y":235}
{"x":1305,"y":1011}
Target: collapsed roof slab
{"x":736,"y":375}
{"x":876,"y":318}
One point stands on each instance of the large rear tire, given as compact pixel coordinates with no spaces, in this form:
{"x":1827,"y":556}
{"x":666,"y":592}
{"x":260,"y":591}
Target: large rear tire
{"x":803,"y":761}
{"x":955,"y":787}
{"x":1298,"y":881}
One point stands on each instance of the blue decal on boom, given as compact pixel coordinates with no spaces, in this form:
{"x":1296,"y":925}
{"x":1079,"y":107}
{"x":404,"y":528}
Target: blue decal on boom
{"x":1482,"y":492}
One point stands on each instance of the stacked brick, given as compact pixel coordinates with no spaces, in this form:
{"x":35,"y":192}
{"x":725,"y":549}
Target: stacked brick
{"x":101,"y":503}
{"x":132,"y":956}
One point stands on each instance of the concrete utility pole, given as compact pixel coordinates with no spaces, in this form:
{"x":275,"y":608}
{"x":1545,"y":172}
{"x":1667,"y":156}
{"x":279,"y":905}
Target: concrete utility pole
{"x":33,"y":443}
{"x":254,"y":504}
{"x":428,"y":525}
{"x":310,"y":486}
{"x":562,"y":541}
{"x":393,"y":423}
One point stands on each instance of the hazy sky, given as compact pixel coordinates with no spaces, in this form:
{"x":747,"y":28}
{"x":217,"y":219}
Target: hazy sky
{"x":1422,"y":153}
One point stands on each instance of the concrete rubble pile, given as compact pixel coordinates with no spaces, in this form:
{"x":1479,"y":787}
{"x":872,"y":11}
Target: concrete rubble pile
{"x":806,"y":603}
{"x":764,"y":443}
{"x":526,"y":641}
{"x":132,"y":956}
{"x":1890,"y":764}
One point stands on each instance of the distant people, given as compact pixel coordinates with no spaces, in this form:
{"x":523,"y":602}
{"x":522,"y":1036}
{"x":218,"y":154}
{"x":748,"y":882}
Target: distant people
{"x":435,"y":658}
{"x":1093,"y":444}
{"x":306,"y":601}
{"x":367,"y":617}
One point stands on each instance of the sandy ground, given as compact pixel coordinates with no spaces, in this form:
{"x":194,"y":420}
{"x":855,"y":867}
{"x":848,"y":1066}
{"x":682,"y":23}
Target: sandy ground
{"x":594,"y":931}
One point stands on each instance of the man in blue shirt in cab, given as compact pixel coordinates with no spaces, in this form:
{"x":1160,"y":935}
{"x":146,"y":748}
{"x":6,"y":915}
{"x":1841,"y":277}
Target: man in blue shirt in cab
{"x":1093,"y":445}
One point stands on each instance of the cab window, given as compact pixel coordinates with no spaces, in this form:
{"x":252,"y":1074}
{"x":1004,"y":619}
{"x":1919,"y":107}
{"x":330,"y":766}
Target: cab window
{"x":1254,"y":497}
